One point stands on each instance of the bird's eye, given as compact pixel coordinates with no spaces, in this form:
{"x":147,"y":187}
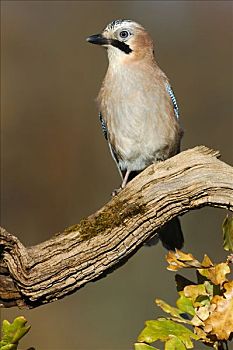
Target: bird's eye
{"x":124,"y":34}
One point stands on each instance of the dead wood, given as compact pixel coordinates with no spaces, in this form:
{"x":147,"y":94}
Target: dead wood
{"x":30,"y":277}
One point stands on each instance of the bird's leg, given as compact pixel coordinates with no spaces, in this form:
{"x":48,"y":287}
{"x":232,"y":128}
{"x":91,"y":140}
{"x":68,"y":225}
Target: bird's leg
{"x":124,"y":182}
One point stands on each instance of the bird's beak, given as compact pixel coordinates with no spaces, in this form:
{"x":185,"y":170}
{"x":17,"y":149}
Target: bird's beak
{"x":98,"y":39}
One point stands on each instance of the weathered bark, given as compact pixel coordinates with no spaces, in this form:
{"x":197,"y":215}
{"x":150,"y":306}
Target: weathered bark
{"x":89,"y":250}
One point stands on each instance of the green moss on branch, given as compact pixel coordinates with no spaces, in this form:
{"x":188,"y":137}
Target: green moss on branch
{"x":112,"y":217}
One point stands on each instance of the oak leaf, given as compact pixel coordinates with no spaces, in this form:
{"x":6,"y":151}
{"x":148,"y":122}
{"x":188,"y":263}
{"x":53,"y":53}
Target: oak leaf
{"x":178,"y":259}
{"x":220,"y":321}
{"x":227,"y":229}
{"x":216,"y":274}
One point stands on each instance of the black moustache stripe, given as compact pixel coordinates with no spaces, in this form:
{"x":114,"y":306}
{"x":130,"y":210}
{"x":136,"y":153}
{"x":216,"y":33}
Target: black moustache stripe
{"x":121,"y":45}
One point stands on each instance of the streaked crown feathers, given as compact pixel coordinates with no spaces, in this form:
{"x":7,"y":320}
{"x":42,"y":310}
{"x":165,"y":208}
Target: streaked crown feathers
{"x":120,"y":23}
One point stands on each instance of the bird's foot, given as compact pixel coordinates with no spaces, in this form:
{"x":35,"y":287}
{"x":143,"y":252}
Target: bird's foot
{"x":116,"y":191}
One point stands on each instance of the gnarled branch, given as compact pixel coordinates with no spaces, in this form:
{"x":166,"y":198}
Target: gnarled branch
{"x":89,"y":250}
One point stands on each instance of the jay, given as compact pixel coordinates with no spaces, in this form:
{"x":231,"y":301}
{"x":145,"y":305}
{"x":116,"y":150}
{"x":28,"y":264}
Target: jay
{"x":138,"y":110}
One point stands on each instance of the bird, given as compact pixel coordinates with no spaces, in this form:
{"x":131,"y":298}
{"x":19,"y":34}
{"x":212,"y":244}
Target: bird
{"x":138,"y":110}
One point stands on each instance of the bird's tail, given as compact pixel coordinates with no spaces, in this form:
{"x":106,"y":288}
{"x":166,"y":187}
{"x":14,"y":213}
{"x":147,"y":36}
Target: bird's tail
{"x":170,"y":235}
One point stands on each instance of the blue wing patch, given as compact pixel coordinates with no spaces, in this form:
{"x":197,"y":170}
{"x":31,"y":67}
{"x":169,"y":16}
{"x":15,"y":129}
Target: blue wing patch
{"x":113,"y":152}
{"x":173,"y":98}
{"x":103,"y":126}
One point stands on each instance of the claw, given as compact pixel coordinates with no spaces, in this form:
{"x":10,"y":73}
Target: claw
{"x":116,"y":191}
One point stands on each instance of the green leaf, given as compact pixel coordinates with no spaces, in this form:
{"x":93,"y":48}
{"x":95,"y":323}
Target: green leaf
{"x":202,"y":300}
{"x":8,"y":347}
{"x":174,"y":343}
{"x":173,"y":311}
{"x":185,"y":304}
{"x":209,"y":288}
{"x":12,"y":333}
{"x":163,"y":329}
{"x":142,"y":346}
{"x":227,"y":229}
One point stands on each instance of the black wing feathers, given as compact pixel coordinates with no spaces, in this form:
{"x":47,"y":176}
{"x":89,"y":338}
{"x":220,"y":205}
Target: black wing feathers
{"x":103,"y":126}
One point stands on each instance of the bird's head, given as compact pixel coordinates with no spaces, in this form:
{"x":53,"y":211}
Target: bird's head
{"x":125,"y":40}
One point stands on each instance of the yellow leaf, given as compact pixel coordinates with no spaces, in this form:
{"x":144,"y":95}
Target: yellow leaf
{"x":206,"y":262}
{"x":220,"y":321}
{"x":193,"y":291}
{"x":174,"y":263}
{"x":197,"y":322}
{"x":229,"y":289}
{"x":203,"y":312}
{"x":179,"y":259}
{"x":184,"y":256}
{"x":216,"y":274}
{"x":201,"y":334}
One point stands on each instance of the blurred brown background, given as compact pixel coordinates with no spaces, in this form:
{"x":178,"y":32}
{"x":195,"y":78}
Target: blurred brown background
{"x":56,"y":167}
